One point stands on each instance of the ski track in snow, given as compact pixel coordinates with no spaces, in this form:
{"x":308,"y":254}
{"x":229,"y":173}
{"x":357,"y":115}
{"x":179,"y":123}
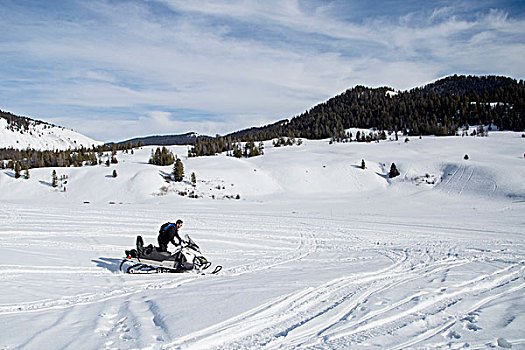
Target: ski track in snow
{"x":427,"y":289}
{"x":325,"y":314}
{"x":460,"y":179}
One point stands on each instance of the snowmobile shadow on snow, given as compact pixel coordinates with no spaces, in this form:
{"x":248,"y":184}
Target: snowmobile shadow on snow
{"x":108,"y":263}
{"x":148,"y":259}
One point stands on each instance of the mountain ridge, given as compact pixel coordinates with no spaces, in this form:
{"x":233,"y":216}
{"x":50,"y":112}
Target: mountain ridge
{"x":326,"y":122}
{"x":438,"y":108}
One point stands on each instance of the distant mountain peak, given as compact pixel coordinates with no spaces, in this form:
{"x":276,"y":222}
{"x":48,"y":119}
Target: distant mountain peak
{"x":22,"y":132}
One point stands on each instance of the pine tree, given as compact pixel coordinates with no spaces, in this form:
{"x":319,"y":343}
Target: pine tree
{"x":393,"y":171}
{"x":193,"y":179}
{"x":178,"y":170}
{"x":237,"y":151}
{"x":54,"y":179}
{"x":363,"y":165}
{"x":152,"y":158}
{"x":18,"y":168}
{"x":115,"y":173}
{"x":26,"y":172}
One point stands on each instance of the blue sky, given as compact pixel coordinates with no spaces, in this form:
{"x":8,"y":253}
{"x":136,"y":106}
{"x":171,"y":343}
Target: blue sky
{"x":114,"y":70}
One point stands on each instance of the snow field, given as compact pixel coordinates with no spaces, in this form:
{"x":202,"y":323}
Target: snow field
{"x":336,"y":258}
{"x":291,"y":280}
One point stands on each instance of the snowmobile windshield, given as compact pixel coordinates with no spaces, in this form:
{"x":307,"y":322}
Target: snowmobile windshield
{"x":190,"y":243}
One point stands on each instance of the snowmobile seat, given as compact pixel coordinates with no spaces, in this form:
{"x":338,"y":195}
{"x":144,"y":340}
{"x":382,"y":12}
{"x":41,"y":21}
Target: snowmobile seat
{"x":140,"y":245}
{"x":150,"y":252}
{"x":154,"y":254}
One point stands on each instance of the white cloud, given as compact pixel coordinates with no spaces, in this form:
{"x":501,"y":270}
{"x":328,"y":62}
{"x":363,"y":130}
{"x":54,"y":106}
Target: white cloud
{"x":439,"y":13}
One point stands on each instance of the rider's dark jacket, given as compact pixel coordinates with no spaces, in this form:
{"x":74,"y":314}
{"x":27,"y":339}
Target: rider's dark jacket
{"x":168,"y":233}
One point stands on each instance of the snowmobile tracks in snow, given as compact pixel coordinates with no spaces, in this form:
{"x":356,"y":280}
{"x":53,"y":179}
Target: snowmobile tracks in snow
{"x":306,"y":245}
{"x":337,"y":313}
{"x":97,"y":297}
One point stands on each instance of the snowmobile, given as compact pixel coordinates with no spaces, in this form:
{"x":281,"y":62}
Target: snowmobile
{"x":148,"y":259}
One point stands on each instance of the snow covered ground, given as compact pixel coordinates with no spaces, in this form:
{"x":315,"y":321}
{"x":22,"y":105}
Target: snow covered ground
{"x":317,"y":253}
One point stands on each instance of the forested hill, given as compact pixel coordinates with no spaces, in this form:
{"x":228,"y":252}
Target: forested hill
{"x":19,"y":123}
{"x":472,"y":85}
{"x":166,"y":140}
{"x":439,"y":108}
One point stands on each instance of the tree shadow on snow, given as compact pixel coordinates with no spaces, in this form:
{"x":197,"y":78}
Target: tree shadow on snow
{"x":45,"y":183}
{"x":168,"y":177}
{"x":10,"y":174}
{"x":112,"y":265}
{"x":164,"y":174}
{"x":384,"y":176}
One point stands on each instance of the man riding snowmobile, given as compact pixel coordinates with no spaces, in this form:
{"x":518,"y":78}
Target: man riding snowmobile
{"x":148,"y":259}
{"x":168,"y":233}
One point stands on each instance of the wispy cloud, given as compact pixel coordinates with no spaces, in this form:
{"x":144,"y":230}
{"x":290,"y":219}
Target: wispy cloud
{"x":170,"y":66}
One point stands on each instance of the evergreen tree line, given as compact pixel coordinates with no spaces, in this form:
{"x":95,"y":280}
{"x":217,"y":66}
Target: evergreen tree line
{"x":248,"y":150}
{"x":440,"y":108}
{"x":161,"y":156}
{"x":31,"y":158}
{"x":209,"y":147}
{"x":286,"y":141}
{"x":360,"y":136}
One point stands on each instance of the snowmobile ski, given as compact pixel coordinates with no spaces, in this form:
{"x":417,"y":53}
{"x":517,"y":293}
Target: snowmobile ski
{"x":132,"y":266}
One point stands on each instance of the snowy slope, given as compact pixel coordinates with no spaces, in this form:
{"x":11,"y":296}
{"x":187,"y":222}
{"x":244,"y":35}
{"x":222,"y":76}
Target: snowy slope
{"x":317,"y":253}
{"x":42,"y":136}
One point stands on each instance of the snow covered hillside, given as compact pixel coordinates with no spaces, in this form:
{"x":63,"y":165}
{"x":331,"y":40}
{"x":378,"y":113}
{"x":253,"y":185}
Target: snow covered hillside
{"x":316,"y":252}
{"x":41,"y":136}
